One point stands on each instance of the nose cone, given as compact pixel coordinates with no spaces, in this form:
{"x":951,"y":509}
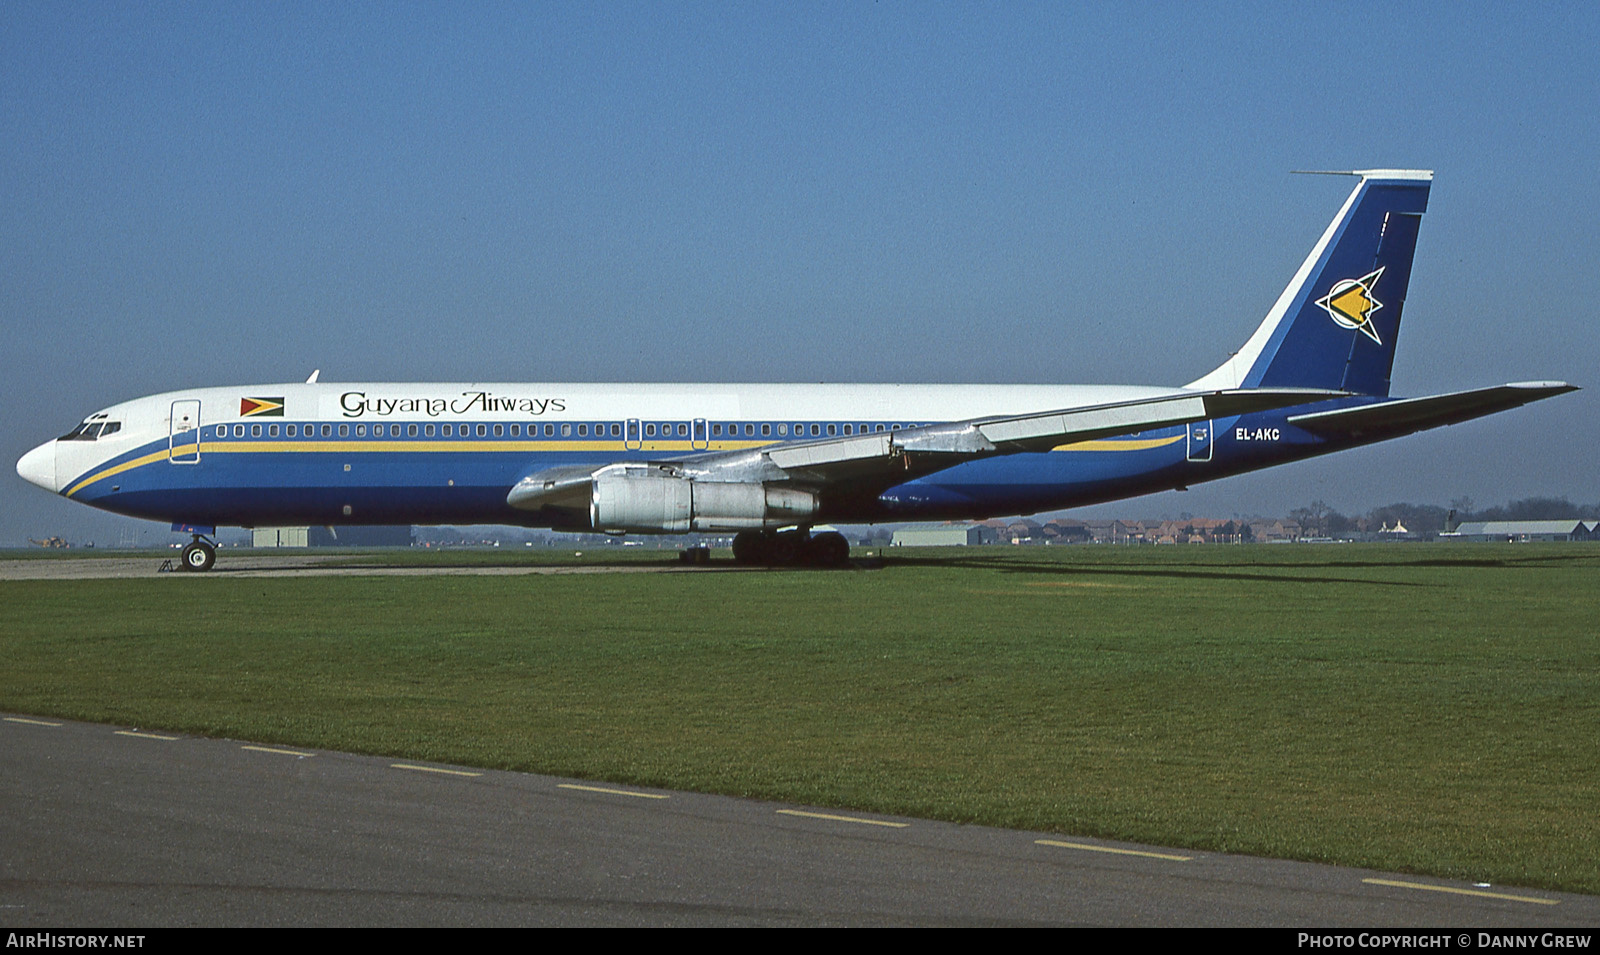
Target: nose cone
{"x":39,"y":466}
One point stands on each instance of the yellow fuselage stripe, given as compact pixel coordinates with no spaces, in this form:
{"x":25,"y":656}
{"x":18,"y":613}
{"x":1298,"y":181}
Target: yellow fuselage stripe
{"x":1133,"y":444}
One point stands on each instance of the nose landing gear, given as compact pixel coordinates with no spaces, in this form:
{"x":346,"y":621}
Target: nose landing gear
{"x":199,"y":555}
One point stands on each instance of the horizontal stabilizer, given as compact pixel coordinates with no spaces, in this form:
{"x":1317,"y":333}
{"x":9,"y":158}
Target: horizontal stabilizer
{"x":1391,"y":419}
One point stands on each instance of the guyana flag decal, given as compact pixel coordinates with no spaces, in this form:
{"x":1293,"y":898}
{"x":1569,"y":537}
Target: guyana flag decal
{"x":261,"y":407}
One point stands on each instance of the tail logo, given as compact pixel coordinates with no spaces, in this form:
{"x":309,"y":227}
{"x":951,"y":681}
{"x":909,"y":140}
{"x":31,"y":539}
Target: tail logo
{"x":1350,"y":304}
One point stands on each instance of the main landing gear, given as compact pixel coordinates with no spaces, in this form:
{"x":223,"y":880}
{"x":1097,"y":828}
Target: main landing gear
{"x":791,"y":548}
{"x":199,"y":555}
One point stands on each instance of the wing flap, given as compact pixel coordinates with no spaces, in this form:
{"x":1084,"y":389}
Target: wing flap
{"x":862,"y":447}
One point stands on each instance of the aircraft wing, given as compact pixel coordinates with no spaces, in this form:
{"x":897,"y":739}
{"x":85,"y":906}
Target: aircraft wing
{"x":1391,"y":419}
{"x":871,"y":462}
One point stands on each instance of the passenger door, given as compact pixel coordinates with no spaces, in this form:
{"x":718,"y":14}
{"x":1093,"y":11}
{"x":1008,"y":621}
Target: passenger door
{"x":183,"y":433}
{"x":1200,"y":441}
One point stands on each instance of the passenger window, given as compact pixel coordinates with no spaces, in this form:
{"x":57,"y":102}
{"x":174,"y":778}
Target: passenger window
{"x":683,"y":431}
{"x":566,"y":431}
{"x":516,"y":431}
{"x":749,"y":430}
{"x":238,"y":431}
{"x":499,"y":430}
{"x":344,"y":431}
{"x":583,"y":431}
{"x":411,"y":430}
{"x":272,"y":431}
{"x":848,"y":429}
{"x":361,"y":431}
{"x":290,"y":430}
{"x":650,"y":430}
{"x":716,"y":431}
{"x":255,"y":431}
{"x":483,"y":429}
{"x":616,"y":431}
{"x":549,"y":430}
{"x":831,"y":431}
{"x":783,"y":430}
{"x":447,"y":430}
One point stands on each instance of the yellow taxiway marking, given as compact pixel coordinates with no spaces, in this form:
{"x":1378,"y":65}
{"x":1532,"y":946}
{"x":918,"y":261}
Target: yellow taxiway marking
{"x":1455,"y":891}
{"x":1121,"y":852}
{"x":18,"y":719}
{"x":146,"y":735}
{"x":280,"y":752}
{"x":431,"y":769}
{"x":864,"y":822}
{"x":614,"y":792}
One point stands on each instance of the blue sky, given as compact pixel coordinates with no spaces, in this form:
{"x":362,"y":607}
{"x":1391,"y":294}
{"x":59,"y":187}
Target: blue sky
{"x":202,"y":194}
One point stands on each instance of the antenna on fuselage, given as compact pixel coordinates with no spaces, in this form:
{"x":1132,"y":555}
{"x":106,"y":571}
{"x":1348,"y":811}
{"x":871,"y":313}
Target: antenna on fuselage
{"x":313,"y":379}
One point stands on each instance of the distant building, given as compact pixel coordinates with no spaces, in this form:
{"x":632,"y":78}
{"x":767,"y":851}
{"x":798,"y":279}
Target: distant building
{"x":949,"y":536}
{"x":1065,"y":531}
{"x":381,"y":536}
{"x":1272,"y":532}
{"x":1568,"y":530}
{"x":280,"y":537}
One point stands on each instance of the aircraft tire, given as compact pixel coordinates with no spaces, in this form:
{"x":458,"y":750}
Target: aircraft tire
{"x":784,"y":548}
{"x":749,"y":547}
{"x":199,"y":557}
{"x":828,"y":550}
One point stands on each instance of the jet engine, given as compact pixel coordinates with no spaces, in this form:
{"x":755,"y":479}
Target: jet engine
{"x":647,"y":499}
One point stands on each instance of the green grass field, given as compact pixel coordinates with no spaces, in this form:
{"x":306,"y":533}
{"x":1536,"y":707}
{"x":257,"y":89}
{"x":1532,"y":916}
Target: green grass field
{"x":1426,"y":708}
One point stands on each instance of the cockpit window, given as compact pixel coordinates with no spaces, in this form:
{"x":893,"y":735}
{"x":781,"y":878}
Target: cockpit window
{"x":92,"y":429}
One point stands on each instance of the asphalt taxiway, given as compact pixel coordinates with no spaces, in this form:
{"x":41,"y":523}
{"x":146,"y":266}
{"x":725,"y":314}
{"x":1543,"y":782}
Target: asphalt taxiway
{"x":124,"y":827}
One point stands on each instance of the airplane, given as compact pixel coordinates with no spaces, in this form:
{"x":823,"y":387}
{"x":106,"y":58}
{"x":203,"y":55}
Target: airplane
{"x":770,"y":462}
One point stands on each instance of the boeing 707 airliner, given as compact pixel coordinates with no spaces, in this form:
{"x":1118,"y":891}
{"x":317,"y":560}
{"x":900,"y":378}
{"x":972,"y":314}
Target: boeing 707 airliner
{"x":769,"y":462}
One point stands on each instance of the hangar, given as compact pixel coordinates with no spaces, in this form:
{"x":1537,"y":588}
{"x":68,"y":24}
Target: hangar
{"x":1565,"y":530}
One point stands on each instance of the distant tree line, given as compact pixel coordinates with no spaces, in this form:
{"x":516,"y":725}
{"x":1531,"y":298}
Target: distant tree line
{"x":1320,"y":520}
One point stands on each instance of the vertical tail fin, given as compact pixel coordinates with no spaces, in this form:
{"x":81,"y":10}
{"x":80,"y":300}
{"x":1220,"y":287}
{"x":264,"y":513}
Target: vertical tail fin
{"x":1335,"y":325}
